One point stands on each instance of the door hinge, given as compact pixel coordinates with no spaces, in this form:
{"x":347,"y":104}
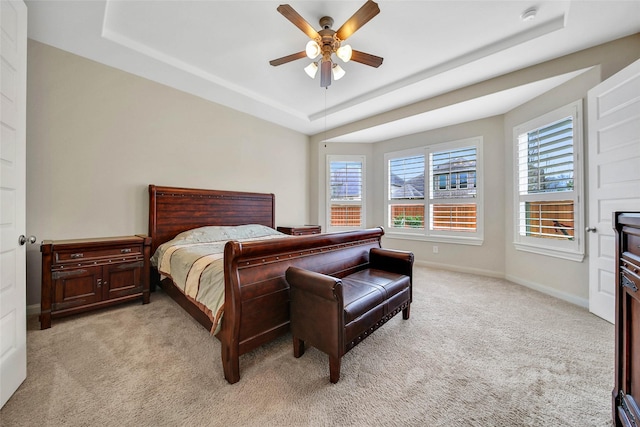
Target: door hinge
{"x":629,"y":408}
{"x":626,"y":283}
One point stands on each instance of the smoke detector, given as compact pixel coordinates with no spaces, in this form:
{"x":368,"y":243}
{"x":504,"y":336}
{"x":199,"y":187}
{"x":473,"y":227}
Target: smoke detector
{"x":529,"y":14}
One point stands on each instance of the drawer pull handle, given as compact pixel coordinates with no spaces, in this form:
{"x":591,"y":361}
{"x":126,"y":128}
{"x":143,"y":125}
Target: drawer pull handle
{"x":76,"y":256}
{"x":125,"y":251}
{"x":626,"y":283}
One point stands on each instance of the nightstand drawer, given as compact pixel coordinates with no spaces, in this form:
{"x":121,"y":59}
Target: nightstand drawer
{"x":85,"y":254}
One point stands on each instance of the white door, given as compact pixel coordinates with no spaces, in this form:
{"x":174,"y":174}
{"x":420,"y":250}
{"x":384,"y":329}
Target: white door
{"x":614,"y":177}
{"x":13,"y":304}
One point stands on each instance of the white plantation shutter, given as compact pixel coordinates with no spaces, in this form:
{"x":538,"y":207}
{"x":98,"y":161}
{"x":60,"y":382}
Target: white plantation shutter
{"x":346,"y":191}
{"x":548,"y":173}
{"x":546,"y":161}
{"x":406,"y":191}
{"x":453,"y":188}
{"x":407,"y":178}
{"x":546,"y":158}
{"x":547,"y":219}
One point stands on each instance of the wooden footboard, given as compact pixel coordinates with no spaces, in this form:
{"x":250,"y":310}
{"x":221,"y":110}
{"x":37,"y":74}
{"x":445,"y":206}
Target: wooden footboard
{"x":257,"y":294}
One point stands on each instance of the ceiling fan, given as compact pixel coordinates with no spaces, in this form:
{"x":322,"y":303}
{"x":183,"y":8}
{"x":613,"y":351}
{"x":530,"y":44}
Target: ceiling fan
{"x":327,"y":42}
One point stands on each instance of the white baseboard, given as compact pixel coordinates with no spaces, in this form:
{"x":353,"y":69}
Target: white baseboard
{"x":582,"y":302}
{"x":33,"y":309}
{"x":478,"y":271}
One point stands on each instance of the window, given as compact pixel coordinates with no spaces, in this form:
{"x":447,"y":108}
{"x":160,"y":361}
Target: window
{"x":447,"y":209}
{"x":406,"y":192}
{"x":346,"y":192}
{"x":549,"y":181}
{"x":453,"y":206}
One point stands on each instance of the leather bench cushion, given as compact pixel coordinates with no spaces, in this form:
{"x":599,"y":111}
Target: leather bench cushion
{"x":366,"y":289}
{"x":366,"y":321}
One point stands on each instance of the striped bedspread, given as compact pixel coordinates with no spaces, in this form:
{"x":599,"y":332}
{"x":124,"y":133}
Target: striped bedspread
{"x":195,"y":265}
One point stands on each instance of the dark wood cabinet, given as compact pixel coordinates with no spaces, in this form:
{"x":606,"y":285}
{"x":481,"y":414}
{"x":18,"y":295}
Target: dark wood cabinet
{"x":86,"y":274}
{"x":627,"y":317}
{"x":301,"y":230}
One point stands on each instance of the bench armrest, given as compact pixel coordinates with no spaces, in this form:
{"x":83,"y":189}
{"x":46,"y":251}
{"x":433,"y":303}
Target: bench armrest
{"x":309,"y":281}
{"x":316,"y":299}
{"x":394,"y":261}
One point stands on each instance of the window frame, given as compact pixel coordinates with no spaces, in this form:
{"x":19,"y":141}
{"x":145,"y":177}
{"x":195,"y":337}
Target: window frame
{"x":362,"y":202}
{"x":572,"y":250}
{"x":425,"y":234}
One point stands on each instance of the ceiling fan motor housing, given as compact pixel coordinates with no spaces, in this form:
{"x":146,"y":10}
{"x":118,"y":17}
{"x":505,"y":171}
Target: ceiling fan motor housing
{"x":328,"y":42}
{"x":326,"y":22}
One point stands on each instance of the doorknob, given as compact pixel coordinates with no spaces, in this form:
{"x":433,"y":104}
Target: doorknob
{"x":590,"y":229}
{"x":22,"y":240}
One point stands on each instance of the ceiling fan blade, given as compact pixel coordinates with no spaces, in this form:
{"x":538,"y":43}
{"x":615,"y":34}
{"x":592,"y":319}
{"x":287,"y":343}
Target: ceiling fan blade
{"x":366,"y":58}
{"x":361,"y":17}
{"x":288,"y":58}
{"x":297,"y":20}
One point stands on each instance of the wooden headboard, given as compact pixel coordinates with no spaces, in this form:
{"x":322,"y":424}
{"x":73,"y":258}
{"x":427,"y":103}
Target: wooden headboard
{"x":173,"y":210}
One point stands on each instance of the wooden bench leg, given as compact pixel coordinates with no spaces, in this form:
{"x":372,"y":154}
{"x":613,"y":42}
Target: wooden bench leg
{"x":334,"y":369}
{"x":298,"y":347}
{"x":405,"y":312}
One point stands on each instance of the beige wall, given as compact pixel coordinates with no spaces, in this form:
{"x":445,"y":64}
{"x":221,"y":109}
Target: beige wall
{"x":562,"y":278}
{"x":567,"y":279}
{"x":97,"y":137}
{"x":318,"y":190}
{"x":487,"y":259}
{"x":497,"y":256}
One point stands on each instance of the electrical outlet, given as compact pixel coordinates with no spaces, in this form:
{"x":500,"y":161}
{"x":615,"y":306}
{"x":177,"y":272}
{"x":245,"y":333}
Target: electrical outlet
{"x":435,"y":249}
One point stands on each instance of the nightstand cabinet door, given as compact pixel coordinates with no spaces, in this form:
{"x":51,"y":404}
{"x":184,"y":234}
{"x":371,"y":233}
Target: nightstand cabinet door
{"x":76,"y":287}
{"x":120,"y":280}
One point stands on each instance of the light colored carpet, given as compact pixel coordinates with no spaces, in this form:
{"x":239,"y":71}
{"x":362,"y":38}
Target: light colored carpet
{"x":476,"y":351}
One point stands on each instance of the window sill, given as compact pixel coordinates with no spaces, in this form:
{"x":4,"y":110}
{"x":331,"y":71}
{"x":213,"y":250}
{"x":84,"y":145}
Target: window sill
{"x":473,"y":241}
{"x":556,"y":253}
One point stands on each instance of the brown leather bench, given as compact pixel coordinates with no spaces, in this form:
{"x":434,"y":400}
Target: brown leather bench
{"x":335,"y":314}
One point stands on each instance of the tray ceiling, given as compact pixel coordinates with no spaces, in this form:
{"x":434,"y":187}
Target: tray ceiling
{"x":220,"y":51}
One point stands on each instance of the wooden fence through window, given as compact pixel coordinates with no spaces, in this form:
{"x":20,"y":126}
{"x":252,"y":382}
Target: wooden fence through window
{"x":346,"y":216}
{"x":550,"y":220}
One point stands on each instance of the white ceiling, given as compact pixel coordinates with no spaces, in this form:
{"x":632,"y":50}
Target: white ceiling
{"x":220,"y":51}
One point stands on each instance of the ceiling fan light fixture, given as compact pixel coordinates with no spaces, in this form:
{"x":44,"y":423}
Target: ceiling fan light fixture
{"x":311,"y":70}
{"x":344,"y":53}
{"x":322,"y":44}
{"x":313,"y":49}
{"x":338,"y":72}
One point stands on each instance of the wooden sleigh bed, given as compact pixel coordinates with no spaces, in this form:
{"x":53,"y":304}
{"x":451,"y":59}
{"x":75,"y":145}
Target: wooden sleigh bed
{"x":256,"y":294}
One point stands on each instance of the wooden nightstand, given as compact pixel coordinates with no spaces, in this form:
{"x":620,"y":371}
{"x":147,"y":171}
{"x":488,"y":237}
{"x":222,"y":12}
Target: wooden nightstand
{"x":300,"y":230}
{"x":86,"y":274}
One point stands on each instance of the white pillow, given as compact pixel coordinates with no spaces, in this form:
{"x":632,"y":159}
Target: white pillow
{"x":214,"y":233}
